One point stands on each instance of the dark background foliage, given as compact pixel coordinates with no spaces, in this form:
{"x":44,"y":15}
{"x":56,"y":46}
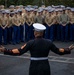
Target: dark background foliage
{"x":37,"y":2}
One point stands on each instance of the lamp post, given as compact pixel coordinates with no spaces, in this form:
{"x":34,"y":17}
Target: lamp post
{"x":43,"y":3}
{"x":5,"y":3}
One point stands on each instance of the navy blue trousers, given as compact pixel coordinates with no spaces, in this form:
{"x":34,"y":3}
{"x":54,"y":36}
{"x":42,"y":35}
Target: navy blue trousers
{"x":72,"y":32}
{"x":22,"y":33}
{"x":64,"y":33}
{"x":9,"y":34}
{"x":16,"y":34}
{"x":0,"y":35}
{"x":29,"y":33}
{"x":49,"y":33}
{"x":57,"y":32}
{"x":3,"y":32}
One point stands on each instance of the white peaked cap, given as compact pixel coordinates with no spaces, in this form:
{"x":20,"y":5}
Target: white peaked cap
{"x":39,"y":27}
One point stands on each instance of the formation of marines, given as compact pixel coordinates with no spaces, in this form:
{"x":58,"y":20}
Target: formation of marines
{"x":16,"y":23}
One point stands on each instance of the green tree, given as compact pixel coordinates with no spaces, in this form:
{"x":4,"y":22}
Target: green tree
{"x":38,"y":2}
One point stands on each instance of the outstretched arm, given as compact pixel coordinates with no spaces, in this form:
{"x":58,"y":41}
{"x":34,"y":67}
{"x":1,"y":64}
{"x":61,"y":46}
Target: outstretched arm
{"x":71,"y":47}
{"x":62,"y":51}
{"x":12,"y":51}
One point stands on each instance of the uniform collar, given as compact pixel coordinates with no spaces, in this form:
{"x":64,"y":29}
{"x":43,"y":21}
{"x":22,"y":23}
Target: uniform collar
{"x":39,"y":37}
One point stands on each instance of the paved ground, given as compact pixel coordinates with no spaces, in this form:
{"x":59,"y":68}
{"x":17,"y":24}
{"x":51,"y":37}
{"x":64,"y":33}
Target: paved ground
{"x":60,"y":65}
